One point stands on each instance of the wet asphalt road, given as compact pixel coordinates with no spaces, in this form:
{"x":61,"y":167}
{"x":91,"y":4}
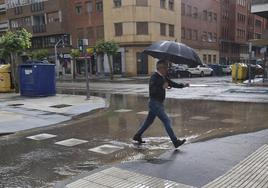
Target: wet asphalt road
{"x":29,"y":163}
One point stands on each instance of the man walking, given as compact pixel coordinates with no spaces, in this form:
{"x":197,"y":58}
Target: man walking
{"x":157,"y":89}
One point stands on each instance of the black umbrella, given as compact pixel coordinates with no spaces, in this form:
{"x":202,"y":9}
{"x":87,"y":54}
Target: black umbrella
{"x":175,"y":52}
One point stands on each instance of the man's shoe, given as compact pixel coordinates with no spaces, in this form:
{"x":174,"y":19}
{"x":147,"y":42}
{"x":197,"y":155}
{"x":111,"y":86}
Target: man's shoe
{"x":138,"y":139}
{"x":179,"y":143}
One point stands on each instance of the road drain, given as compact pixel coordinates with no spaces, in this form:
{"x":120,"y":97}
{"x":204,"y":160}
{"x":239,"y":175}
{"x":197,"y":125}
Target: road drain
{"x":61,"y":106}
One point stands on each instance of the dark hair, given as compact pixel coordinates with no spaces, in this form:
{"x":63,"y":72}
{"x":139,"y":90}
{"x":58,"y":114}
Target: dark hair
{"x":161,"y":62}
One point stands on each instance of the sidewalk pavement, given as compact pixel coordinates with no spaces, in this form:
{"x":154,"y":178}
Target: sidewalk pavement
{"x":19,"y":113}
{"x":211,"y":164}
{"x":197,"y":91}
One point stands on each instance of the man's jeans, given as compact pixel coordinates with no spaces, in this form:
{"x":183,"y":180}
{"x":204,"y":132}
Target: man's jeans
{"x":156,"y":109}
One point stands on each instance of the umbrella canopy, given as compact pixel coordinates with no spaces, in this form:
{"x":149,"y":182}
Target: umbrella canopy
{"x":175,"y":52}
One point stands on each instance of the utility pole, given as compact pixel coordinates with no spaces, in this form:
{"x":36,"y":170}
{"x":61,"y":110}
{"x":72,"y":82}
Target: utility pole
{"x":83,"y":43}
{"x":249,"y":69}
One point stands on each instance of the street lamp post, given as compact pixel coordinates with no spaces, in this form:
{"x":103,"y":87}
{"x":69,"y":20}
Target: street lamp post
{"x":56,"y":56}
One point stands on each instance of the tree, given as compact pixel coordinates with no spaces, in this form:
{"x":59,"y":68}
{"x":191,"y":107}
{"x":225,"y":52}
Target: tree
{"x":39,"y":54}
{"x":11,"y":45}
{"x":109,"y":48}
{"x":75,"y":53}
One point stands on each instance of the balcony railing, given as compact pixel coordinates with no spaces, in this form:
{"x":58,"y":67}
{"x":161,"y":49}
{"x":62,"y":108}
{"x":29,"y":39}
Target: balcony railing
{"x":3,"y":7}
{"x":39,"y":28}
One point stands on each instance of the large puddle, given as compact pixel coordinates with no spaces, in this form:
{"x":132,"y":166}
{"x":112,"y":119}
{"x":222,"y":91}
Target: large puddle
{"x":30,"y":163}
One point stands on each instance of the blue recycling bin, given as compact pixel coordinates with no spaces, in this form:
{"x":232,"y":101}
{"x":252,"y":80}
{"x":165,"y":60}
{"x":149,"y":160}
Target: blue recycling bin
{"x":37,"y":79}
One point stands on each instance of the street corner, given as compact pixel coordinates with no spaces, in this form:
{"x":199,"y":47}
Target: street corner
{"x":62,"y":104}
{"x":20,"y":113}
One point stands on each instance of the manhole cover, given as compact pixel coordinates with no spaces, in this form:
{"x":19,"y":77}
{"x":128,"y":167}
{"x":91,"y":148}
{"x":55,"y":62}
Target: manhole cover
{"x":61,"y":106}
{"x":15,"y":105}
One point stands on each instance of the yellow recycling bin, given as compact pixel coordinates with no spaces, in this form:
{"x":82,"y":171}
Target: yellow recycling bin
{"x":5,"y":80}
{"x":239,"y":71}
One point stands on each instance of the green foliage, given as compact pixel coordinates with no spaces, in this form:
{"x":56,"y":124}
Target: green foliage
{"x":75,"y":53}
{"x":15,"y":42}
{"x":11,"y":44}
{"x":39,"y":54}
{"x":106,"y":47}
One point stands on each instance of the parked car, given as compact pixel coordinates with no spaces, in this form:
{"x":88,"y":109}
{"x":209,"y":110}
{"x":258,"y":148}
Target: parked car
{"x":201,"y":70}
{"x":178,"y":72}
{"x":217,"y":69}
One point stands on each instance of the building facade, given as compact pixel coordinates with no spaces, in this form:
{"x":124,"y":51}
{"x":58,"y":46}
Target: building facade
{"x":201,"y":28}
{"x":135,"y":24}
{"x":238,"y":27}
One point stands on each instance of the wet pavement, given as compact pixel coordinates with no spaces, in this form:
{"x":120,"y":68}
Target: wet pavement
{"x":103,"y":138}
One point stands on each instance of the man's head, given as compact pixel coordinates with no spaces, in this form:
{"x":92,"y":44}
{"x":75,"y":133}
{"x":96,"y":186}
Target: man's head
{"x":162,"y":67}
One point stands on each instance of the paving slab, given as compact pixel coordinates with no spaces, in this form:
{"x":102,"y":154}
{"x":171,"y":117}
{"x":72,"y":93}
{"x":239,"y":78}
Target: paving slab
{"x":119,"y":178}
{"x":71,"y":142}
{"x":43,"y":136}
{"x":251,"y":172}
{"x":106,"y":149}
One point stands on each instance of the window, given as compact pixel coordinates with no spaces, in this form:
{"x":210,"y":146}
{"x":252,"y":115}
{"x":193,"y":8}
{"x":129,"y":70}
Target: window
{"x":117,"y":3}
{"x":209,"y":59}
{"x":215,"y":37}
{"x":171,"y":4}
{"x":209,"y":37}
{"x":18,"y":10}
{"x":183,"y":9}
{"x":189,"y":10}
{"x":205,"y":15}
{"x":78,"y":9}
{"x":89,"y":6}
{"x":195,"y":12}
{"x":195,"y":35}
{"x":162,"y":3}
{"x":183,"y":33}
{"x":204,"y":58}
{"x":171,"y":30}
{"x":215,"y":17}
{"x":118,"y":29}
{"x":38,"y":6}
{"x":210,"y":16}
{"x":99,"y":6}
{"x":53,"y":17}
{"x":189,"y":34}
{"x":142,"y":28}
{"x":142,"y":3}
{"x":214,"y":59}
{"x":163,"y":29}
{"x":204,"y":36}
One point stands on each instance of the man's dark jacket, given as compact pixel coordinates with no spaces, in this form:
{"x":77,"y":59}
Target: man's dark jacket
{"x":156,"y":90}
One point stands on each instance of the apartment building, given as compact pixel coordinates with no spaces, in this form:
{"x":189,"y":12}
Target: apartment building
{"x":238,"y":26}
{"x":200,"y":28}
{"x":134,"y":25}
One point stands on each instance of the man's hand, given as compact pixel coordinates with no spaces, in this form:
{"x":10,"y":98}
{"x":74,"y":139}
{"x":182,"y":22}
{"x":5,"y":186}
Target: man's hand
{"x":187,"y":85}
{"x":166,"y":85}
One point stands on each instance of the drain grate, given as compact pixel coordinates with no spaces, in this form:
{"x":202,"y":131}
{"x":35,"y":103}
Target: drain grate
{"x":61,"y":106}
{"x":14,"y":105}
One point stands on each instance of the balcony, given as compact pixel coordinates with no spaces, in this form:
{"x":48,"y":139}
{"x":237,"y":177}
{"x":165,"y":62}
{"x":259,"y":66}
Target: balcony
{"x":3,"y":26}
{"x":2,"y":7}
{"x":39,"y":29}
{"x":260,"y":8}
